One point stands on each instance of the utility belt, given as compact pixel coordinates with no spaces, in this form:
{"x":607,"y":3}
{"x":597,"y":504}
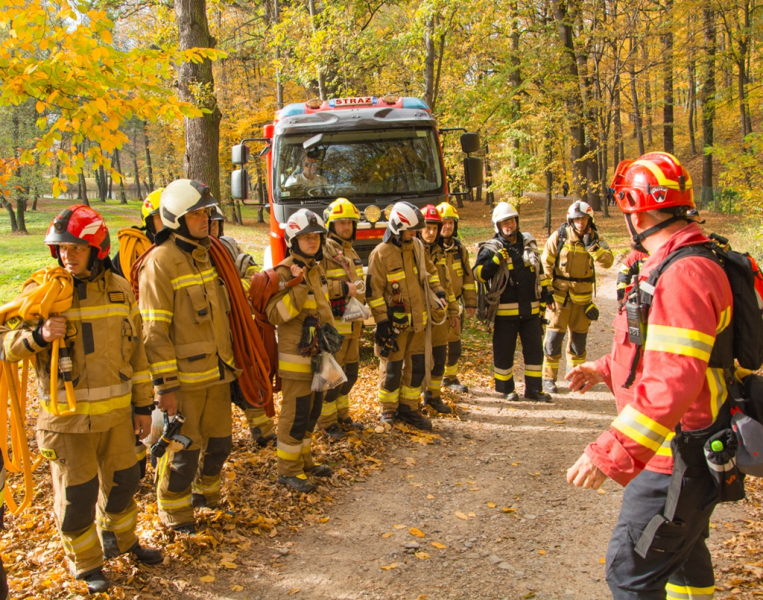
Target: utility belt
{"x":590,"y":279}
{"x":689,"y":460}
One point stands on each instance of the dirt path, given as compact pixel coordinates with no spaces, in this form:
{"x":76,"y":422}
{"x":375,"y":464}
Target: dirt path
{"x":497,"y":517}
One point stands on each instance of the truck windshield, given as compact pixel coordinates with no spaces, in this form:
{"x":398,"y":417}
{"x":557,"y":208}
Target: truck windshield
{"x":357,"y":164}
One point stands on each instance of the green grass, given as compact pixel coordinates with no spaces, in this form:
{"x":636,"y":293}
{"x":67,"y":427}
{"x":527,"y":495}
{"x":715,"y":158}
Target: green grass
{"x":20,"y":255}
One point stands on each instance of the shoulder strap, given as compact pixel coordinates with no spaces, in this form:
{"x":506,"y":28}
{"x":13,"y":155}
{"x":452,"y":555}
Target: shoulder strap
{"x":646,"y":292}
{"x":560,"y":241}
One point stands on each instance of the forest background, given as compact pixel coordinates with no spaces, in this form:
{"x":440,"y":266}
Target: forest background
{"x":111,"y":99}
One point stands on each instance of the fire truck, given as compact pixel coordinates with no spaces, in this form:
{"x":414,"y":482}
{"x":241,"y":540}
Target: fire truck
{"x":372,"y":151}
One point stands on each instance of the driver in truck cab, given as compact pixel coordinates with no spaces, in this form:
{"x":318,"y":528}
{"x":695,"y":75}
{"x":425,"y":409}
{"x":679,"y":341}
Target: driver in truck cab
{"x":308,"y":176}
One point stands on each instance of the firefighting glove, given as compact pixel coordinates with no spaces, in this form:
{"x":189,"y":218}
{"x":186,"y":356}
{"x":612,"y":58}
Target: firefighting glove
{"x":442,"y":298}
{"x":308,"y":343}
{"x":592,"y":312}
{"x":501,"y":256}
{"x":382,"y":332}
{"x":590,"y":240}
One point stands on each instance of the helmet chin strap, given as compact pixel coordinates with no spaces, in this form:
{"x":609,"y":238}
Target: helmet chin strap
{"x":638,"y":238}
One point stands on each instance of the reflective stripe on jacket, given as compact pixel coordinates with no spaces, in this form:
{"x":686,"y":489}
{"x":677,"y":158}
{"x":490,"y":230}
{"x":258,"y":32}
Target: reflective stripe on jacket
{"x":339,"y":257}
{"x":692,"y":304}
{"x":109,"y":367}
{"x":574,"y":262}
{"x":184,"y":305}
{"x":391,"y":264}
{"x":461,"y":276}
{"x":288,"y":309}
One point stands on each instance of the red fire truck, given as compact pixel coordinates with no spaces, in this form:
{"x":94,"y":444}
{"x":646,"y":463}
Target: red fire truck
{"x":372,"y":151}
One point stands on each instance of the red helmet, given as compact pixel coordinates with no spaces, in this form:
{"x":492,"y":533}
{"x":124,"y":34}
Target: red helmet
{"x":431,"y":214}
{"x":656,"y":180}
{"x":79,"y":224}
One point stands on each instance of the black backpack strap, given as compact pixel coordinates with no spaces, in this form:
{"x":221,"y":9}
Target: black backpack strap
{"x":646,"y":291}
{"x":560,"y":241}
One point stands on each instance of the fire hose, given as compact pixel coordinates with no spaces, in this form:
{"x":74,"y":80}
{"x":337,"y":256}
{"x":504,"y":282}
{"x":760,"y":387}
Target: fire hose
{"x":51,"y":296}
{"x":132,"y":243}
{"x":248,"y":348}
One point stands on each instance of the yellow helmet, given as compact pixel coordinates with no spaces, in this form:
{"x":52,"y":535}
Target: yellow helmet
{"x":341,"y":208}
{"x":447,"y":211}
{"x":151,"y":205}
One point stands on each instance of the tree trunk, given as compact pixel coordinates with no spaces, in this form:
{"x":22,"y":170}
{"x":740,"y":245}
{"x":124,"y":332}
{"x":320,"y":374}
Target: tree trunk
{"x":637,"y":129}
{"x":574,"y":100}
{"x":692,"y":106}
{"x":11,"y":215}
{"x":549,"y":186}
{"x":102,"y":183}
{"x":429,"y":62}
{"x":667,"y":81}
{"x":647,"y":94}
{"x":619,"y":149}
{"x":708,"y":105}
{"x":137,"y":177}
{"x":21,"y":199}
{"x":321,"y":74}
{"x":279,"y":82}
{"x":196,"y":85}
{"x":149,"y":168}
{"x":19,"y":192}
{"x":118,"y":165}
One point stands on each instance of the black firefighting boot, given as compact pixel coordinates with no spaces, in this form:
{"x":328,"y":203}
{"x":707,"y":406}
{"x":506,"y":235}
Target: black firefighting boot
{"x":320,"y":471}
{"x":454,"y":385}
{"x":299,"y":483}
{"x":537,"y":396}
{"x":436,"y":403}
{"x":147,"y":556}
{"x":198,"y":500}
{"x":388,"y":417}
{"x":185,"y":528}
{"x":333,"y":431}
{"x":259,"y":440}
{"x":549,"y":386}
{"x":348,"y":423}
{"x":96,"y":581}
{"x":511,"y":397}
{"x":413,"y":417}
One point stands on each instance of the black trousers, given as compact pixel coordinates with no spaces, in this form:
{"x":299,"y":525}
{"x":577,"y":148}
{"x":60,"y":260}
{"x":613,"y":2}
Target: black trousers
{"x":505,"y":335}
{"x":678,"y":564}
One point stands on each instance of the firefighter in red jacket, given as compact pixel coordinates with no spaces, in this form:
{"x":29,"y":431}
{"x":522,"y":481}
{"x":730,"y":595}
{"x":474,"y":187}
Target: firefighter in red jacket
{"x":628,"y":270}
{"x":658,"y":547}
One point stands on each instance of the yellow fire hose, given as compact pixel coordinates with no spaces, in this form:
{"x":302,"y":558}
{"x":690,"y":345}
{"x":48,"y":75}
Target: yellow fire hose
{"x":51,"y":296}
{"x":132,"y":243}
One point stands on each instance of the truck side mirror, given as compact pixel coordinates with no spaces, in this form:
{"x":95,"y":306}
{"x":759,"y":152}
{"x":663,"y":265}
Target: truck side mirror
{"x":472,"y":172}
{"x":240,"y":154}
{"x":470,"y":142}
{"x":239,"y":184}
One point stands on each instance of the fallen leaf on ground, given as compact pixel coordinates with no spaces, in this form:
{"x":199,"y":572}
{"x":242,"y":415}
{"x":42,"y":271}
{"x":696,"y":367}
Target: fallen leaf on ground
{"x":471,"y":514}
{"x":422,"y":555}
{"x":229,"y":565}
{"x":236,"y":588}
{"x":324,"y":520}
{"x":602,"y":491}
{"x":461,"y":515}
{"x":439,"y":546}
{"x":207,"y":579}
{"x":602,"y":561}
{"x":389,"y":534}
{"x":416,"y":532}
{"x":430,"y":497}
{"x":399,"y":526}
{"x":541,"y":551}
{"x":506,"y":509}
{"x":293,"y":591}
{"x":491,"y":504}
{"x":388,"y":567}
{"x":410,"y":460}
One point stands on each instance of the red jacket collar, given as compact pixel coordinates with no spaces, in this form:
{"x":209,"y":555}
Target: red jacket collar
{"x":690,"y":235}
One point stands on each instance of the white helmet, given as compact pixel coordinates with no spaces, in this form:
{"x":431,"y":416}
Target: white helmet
{"x":404,"y":216}
{"x":579,"y":209}
{"x":301,"y":222}
{"x":181,"y":197}
{"x":503,"y":211}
